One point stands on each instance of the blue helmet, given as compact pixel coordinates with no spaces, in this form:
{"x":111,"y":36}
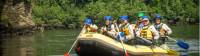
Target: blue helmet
{"x":88,"y":21}
{"x":157,"y":16}
{"x":145,"y":18}
{"x":125,"y":17}
{"x":108,"y":17}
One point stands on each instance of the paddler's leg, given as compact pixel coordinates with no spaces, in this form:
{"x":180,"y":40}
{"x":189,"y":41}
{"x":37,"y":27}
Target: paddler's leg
{"x":111,"y":34}
{"x":139,"y":41}
{"x":129,"y":37}
{"x":147,"y":43}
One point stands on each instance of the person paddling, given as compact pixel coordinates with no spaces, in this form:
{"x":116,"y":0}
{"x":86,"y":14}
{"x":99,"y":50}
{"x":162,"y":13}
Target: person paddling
{"x":162,"y":28}
{"x":139,"y":20}
{"x":126,"y":27}
{"x":89,"y":26}
{"x":108,"y":28}
{"x":147,"y":32}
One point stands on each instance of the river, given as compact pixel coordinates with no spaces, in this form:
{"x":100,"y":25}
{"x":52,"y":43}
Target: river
{"x":57,"y":42}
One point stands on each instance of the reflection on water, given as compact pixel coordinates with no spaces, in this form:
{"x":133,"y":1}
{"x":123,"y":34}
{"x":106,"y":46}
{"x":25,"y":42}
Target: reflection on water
{"x":18,"y":45}
{"x":55,"y":43}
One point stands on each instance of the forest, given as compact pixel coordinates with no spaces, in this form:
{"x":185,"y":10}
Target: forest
{"x":73,"y":12}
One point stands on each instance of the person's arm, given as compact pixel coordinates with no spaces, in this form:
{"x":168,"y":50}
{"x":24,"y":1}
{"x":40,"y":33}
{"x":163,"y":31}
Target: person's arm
{"x":113,"y":28}
{"x":131,"y":30}
{"x":131,"y":35}
{"x":167,"y":29}
{"x":138,"y":32}
{"x":94,"y":27}
{"x":112,"y":31}
{"x":155,"y":32}
{"x":102,"y":29}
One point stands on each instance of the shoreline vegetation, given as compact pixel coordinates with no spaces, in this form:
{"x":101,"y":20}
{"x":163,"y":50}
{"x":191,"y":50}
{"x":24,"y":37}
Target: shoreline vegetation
{"x":73,"y":12}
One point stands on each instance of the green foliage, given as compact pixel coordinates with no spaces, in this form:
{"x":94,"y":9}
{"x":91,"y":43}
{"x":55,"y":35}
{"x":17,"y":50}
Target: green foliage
{"x":75,"y":11}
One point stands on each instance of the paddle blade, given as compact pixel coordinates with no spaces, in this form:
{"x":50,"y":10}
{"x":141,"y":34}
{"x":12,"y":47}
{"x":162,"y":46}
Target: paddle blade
{"x":172,"y":52}
{"x":182,"y":44}
{"x":66,"y":54}
{"x":126,"y":54}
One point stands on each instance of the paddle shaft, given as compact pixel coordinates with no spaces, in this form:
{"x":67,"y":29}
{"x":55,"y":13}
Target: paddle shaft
{"x":122,"y":43}
{"x":171,"y":38}
{"x":74,"y":42}
{"x":73,"y":45}
{"x":180,"y":43}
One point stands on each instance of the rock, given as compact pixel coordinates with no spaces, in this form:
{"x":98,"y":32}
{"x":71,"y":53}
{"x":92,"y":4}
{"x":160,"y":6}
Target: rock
{"x":16,"y":15}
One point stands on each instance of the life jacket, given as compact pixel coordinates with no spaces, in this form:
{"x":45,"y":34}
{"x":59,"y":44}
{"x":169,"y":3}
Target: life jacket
{"x":159,"y":28}
{"x":146,"y":33}
{"x":125,"y":29}
{"x":108,"y":27}
{"x":90,"y":29}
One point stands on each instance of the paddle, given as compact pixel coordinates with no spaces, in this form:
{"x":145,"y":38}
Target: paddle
{"x":68,"y":53}
{"x":180,"y":43}
{"x":122,"y":43}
